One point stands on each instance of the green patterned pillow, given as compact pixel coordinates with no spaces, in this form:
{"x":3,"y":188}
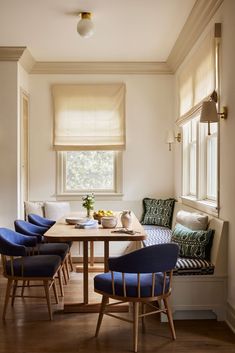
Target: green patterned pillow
{"x":158,"y":212}
{"x":193,"y":243}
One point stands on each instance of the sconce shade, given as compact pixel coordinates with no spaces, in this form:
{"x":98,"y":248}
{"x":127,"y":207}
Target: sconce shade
{"x":85,"y":26}
{"x":170,"y":138}
{"x":209,"y":112}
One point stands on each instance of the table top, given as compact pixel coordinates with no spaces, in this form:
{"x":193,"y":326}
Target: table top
{"x":61,"y":231}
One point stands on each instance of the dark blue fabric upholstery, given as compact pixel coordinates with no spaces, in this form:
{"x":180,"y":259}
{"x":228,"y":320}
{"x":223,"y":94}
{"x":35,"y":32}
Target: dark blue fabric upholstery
{"x":103,"y":282}
{"x":27,"y":228}
{"x":60,"y":249}
{"x":156,"y":258}
{"x":40,"y":221}
{"x":15,"y":244}
{"x":35,"y":266}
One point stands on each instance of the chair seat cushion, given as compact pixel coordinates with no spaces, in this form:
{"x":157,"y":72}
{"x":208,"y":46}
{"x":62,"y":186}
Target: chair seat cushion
{"x":103,"y":283}
{"x":60,"y":249}
{"x":186,"y":266}
{"x":34,"y":266}
{"x":157,"y":235}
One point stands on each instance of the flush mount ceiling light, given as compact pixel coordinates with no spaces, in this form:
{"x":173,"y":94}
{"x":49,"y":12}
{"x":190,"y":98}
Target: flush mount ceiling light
{"x":85,"y":25}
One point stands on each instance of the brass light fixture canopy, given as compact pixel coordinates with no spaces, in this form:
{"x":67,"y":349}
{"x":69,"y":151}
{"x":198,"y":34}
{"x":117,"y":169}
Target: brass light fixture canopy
{"x":85,"y":26}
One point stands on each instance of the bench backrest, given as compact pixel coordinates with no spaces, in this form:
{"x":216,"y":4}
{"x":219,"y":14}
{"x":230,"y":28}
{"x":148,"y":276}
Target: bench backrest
{"x":219,"y":246}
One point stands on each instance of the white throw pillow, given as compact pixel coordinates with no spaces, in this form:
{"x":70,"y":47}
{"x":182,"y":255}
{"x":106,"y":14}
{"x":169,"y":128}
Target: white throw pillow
{"x":33,"y":207}
{"x":192,"y":220}
{"x":56,"y":210}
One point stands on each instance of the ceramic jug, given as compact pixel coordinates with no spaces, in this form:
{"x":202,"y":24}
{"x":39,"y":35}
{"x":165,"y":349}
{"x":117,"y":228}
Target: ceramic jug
{"x":126,"y":219}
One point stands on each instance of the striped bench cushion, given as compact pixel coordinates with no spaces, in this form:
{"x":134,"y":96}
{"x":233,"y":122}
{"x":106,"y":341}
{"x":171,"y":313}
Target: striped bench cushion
{"x":184,"y":266}
{"x":157,"y":235}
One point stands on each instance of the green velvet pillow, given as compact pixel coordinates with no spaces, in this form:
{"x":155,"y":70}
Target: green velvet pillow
{"x":193,"y":243}
{"x":158,"y":212}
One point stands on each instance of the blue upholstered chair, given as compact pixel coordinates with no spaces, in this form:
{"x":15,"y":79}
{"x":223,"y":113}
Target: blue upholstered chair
{"x":48,"y":223}
{"x":143,"y":276}
{"x":40,"y":221}
{"x":60,"y":249}
{"x":18,"y":265}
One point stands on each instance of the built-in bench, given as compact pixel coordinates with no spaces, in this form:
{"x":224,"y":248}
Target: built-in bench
{"x":199,"y":286}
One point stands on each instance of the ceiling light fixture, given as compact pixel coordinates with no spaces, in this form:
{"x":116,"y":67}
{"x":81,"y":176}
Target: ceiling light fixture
{"x":85,"y":25}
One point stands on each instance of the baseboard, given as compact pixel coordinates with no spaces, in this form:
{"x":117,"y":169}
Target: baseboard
{"x":230,"y":320}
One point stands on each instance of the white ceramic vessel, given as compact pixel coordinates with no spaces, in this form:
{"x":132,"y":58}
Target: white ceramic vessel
{"x":109,"y":222}
{"x":126,"y":219}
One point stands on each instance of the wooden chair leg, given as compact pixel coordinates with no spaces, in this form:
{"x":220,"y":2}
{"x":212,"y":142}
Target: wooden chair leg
{"x":47,"y":292}
{"x":23,"y":287}
{"x":143,"y":318}
{"x":61,"y":282}
{"x":70,"y":262}
{"x":7,"y":297}
{"x":135,"y":325}
{"x":170,"y":318}
{"x":64,"y":274}
{"x":14,"y":292}
{"x":55,"y":291}
{"x":67,"y":267}
{"x":101,"y":314}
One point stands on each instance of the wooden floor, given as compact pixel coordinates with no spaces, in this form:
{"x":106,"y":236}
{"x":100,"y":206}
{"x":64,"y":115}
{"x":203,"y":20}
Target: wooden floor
{"x":28,"y":330}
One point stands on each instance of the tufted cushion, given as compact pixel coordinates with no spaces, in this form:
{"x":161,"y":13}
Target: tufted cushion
{"x":35,"y":266}
{"x":33,"y":207}
{"x":192,"y":220}
{"x":185,"y":267}
{"x":103,"y":283}
{"x":157,"y":235}
{"x":56,"y":210}
{"x":193,"y":244}
{"x":158,"y":212}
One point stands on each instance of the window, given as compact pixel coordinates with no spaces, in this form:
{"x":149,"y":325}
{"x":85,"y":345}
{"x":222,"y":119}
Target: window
{"x":89,"y":171}
{"x":197,"y":79}
{"x":199,"y":161}
{"x":89,"y":136}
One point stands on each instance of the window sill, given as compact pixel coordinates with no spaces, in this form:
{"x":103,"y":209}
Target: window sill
{"x":206,"y":206}
{"x":98,"y":197}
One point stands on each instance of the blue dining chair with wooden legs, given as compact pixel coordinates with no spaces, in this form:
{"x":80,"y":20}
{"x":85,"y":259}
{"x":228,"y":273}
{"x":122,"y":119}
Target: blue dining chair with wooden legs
{"x":141,"y":277}
{"x":48,"y":223}
{"x":19,"y":265}
{"x":61,"y":249}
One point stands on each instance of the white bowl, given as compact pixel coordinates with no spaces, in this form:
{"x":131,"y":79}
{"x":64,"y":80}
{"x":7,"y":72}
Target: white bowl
{"x":109,"y":222}
{"x":72,"y":220}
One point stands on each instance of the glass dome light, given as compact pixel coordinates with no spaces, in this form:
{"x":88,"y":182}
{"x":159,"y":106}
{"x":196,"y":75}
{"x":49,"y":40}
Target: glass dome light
{"x":85,"y":25}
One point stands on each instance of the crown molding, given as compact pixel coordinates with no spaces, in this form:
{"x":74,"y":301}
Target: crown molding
{"x":144,"y":68}
{"x":11,"y":53}
{"x":201,"y":14}
{"x":27,"y":60}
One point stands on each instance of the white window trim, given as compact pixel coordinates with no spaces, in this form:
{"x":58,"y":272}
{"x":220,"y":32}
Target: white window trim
{"x":62,"y":194}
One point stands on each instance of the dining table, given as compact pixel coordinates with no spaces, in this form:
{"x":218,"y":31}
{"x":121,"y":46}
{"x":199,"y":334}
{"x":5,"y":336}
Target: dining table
{"x":61,"y":231}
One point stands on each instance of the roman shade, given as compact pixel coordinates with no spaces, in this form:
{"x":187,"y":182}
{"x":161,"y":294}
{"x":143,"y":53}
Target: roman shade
{"x":196,"y":80}
{"x":89,"y":117}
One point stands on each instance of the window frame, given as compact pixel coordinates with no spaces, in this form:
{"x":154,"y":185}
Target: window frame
{"x":201,"y":200}
{"x":61,"y":179}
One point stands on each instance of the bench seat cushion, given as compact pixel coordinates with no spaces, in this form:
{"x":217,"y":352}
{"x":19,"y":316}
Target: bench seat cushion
{"x":184,"y":266}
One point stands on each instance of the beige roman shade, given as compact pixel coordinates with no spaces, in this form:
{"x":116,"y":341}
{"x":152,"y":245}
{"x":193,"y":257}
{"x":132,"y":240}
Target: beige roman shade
{"x":196,"y":80}
{"x":89,"y":117}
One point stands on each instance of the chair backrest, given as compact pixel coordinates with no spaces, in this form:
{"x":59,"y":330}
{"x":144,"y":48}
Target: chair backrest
{"x":15,"y":244}
{"x":156,"y":258}
{"x":40,"y":221}
{"x":31,"y":229}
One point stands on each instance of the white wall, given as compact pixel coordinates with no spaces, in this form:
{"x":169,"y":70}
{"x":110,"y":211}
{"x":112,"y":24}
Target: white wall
{"x":147,"y":163}
{"x":227,"y":148}
{"x":225,"y":15}
{"x":8,"y":143}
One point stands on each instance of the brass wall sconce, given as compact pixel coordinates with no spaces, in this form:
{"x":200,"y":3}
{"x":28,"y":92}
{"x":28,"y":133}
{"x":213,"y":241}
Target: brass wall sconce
{"x":209,"y":112}
{"x":171,"y":138}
